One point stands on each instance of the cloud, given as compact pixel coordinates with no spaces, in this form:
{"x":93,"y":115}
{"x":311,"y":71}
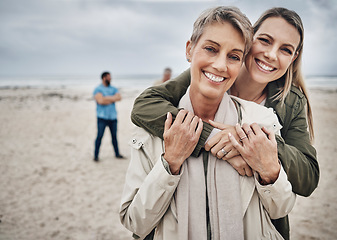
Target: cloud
{"x":70,"y":37}
{"x":320,"y":23}
{"x":173,"y":1}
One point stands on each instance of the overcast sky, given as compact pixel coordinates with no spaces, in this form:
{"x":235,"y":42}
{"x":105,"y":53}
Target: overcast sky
{"x":85,"y":37}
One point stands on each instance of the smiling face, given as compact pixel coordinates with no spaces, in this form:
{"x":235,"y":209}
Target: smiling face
{"x":215,"y":60}
{"x":273,"y":50}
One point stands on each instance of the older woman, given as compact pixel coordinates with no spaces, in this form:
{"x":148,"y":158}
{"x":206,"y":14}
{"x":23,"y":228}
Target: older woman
{"x":176,"y":196}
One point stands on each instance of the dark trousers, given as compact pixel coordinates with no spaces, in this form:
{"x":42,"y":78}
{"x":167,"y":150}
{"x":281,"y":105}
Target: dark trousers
{"x":101,"y":124}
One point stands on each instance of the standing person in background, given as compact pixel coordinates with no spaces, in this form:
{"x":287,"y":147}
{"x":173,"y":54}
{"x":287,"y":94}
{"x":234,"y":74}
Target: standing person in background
{"x":166,"y":76}
{"x":106,"y":96}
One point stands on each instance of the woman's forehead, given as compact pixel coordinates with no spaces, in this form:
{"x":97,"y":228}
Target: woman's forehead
{"x":279,"y":29}
{"x":222,"y":32}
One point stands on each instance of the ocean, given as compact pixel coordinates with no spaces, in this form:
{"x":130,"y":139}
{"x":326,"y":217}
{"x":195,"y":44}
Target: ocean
{"x":132,"y":82}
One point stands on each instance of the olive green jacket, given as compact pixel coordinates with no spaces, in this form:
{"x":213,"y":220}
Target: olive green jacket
{"x":295,"y":151}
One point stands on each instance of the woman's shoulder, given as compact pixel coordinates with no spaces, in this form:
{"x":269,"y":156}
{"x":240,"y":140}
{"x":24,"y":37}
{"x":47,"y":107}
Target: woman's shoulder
{"x":265,"y":117}
{"x":141,"y":137}
{"x":295,"y":98}
{"x":296,"y":92}
{"x":294,"y":102}
{"x":144,"y":141}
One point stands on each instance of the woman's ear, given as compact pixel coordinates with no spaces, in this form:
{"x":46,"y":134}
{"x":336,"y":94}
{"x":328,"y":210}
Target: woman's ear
{"x":188,"y":50}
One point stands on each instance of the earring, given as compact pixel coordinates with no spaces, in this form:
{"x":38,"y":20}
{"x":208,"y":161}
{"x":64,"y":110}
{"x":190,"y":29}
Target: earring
{"x":188,"y":60}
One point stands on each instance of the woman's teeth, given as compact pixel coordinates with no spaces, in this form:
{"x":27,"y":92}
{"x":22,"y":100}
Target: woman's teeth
{"x":264,"y":67}
{"x":214,"y":78}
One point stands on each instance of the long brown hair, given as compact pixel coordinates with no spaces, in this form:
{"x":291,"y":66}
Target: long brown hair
{"x":293,"y":75}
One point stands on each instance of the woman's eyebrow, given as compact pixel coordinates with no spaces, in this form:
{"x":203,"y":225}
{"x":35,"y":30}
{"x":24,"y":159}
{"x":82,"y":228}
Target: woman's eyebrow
{"x":236,"y":49}
{"x":269,"y":36}
{"x":208,"y":40}
{"x":266,"y":35}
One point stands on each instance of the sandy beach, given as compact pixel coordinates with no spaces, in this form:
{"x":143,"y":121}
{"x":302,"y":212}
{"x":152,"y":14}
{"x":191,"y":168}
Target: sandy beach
{"x":50,"y":187}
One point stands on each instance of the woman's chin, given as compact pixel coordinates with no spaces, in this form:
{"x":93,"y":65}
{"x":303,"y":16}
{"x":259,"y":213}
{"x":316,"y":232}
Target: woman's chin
{"x":211,"y":93}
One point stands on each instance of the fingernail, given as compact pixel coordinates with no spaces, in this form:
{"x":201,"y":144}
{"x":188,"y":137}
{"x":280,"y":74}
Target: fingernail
{"x":167,"y":115}
{"x":229,"y":134}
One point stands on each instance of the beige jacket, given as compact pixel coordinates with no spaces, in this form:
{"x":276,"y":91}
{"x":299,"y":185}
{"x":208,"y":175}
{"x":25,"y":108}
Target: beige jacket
{"x":148,"y":197}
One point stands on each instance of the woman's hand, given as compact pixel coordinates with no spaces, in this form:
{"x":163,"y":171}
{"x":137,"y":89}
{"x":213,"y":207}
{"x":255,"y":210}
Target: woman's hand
{"x":259,"y":150}
{"x":180,"y":138}
{"x":221,"y":147}
{"x":241,"y":166}
{"x":221,"y":141}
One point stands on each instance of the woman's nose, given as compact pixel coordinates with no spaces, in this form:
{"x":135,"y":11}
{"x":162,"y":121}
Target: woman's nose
{"x":271,"y":53}
{"x":220,"y":64}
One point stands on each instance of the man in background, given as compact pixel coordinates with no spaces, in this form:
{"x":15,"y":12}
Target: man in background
{"x":166,"y":76}
{"x":106,"y":96}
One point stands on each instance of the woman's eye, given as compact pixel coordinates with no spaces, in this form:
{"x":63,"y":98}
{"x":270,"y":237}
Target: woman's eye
{"x":235,"y":58}
{"x":264,"y":40}
{"x":210,"y":49}
{"x":287,"y":50}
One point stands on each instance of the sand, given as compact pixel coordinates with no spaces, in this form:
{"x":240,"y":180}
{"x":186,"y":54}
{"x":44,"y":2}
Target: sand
{"x":50,"y":187}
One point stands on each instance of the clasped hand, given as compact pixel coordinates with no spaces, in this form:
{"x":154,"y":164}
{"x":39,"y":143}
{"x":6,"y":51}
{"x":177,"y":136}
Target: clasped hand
{"x":180,"y":138}
{"x":259,"y":149}
{"x":221,"y":147}
{"x":247,"y":149}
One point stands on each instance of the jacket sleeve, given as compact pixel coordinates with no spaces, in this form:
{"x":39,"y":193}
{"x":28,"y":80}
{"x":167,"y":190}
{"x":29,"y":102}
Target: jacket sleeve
{"x":277,"y":198}
{"x":297,"y":154}
{"x":147,"y":193}
{"x":151,"y":107}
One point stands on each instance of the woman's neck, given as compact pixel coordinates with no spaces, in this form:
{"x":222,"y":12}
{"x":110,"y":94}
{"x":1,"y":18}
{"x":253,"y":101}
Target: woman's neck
{"x":203,"y":107}
{"x":246,"y":88}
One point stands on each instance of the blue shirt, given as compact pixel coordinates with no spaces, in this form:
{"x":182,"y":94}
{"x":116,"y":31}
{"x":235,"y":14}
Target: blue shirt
{"x":106,"y":111}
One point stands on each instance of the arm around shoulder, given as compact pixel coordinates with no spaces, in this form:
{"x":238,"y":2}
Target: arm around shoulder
{"x":297,"y":154}
{"x":151,"y":107}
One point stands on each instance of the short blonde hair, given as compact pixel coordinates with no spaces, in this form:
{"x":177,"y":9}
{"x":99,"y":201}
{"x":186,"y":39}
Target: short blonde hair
{"x":223,"y":14}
